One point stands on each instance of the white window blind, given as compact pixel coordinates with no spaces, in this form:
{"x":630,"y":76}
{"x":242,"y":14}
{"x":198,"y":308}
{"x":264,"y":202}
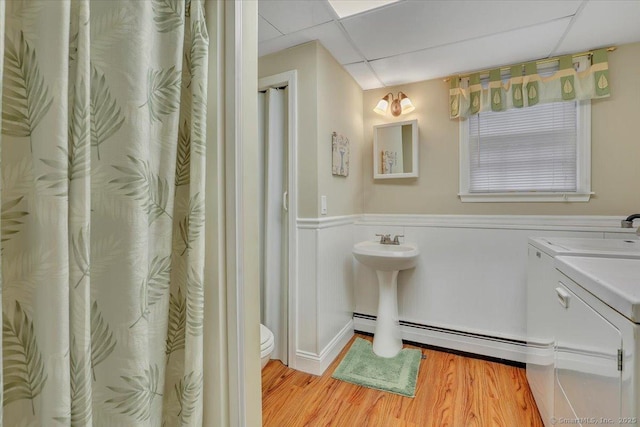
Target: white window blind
{"x":524,"y":150}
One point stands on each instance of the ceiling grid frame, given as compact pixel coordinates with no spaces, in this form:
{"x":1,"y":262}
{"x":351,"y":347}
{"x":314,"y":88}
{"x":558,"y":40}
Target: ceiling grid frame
{"x":549,"y":28}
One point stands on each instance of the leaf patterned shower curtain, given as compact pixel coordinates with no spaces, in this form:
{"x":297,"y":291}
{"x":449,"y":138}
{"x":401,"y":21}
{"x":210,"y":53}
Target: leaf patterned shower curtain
{"x":102,"y":182}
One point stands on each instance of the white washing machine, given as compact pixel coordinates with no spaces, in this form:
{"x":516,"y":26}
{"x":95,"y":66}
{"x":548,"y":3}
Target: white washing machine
{"x":601,"y":248}
{"x":542,"y":299}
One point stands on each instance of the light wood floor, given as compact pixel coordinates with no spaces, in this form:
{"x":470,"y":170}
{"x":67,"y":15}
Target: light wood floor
{"x":452,"y":391}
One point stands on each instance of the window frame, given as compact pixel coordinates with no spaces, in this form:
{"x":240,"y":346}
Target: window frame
{"x":583,"y":168}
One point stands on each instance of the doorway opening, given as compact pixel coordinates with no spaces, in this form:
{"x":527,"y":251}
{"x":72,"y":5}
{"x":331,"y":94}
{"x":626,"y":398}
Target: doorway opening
{"x":277,"y":106}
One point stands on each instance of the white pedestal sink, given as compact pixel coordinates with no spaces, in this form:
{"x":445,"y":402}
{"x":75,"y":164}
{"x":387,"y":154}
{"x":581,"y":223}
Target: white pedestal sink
{"x":387,"y":260}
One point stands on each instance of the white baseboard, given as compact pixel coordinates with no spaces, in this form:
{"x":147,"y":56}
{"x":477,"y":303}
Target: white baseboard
{"x":316,"y":364}
{"x":485,"y":346}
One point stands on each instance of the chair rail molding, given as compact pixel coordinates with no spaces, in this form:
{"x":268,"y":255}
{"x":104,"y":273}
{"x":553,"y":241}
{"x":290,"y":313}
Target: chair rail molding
{"x":327,"y":222}
{"x":561,"y":222}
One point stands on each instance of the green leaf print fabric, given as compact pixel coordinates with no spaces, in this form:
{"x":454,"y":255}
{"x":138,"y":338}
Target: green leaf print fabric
{"x":102,"y":172}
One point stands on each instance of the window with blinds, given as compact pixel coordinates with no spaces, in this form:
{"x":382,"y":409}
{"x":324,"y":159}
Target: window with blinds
{"x":531,"y":154}
{"x":531,"y":149}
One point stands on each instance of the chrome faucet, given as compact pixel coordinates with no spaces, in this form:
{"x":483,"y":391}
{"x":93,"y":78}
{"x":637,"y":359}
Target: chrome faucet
{"x":628,"y":223}
{"x":385,"y":239}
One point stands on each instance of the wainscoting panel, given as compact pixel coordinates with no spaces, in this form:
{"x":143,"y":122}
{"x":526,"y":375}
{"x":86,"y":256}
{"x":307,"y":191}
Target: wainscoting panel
{"x":306,"y":306}
{"x":325,"y":291}
{"x":335,"y":282}
{"x":469,"y":279}
{"x":467,"y":292}
{"x":471,"y":275}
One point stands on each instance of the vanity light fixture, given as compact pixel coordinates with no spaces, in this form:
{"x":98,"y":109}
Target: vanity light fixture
{"x":400,"y":105}
{"x":405,"y":103}
{"x":383,"y":104}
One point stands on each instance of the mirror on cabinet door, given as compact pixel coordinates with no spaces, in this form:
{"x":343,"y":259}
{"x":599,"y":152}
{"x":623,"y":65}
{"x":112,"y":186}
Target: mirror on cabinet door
{"x":395,"y":150}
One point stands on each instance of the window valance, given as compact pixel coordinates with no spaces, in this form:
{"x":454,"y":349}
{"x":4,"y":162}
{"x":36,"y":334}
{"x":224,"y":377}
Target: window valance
{"x":525,"y":86}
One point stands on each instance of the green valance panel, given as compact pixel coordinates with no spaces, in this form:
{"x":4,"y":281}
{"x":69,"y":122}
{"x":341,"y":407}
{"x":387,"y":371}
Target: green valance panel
{"x":526,"y":87}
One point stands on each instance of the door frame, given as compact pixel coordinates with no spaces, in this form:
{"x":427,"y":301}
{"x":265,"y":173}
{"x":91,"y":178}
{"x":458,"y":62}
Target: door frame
{"x":232,"y":391}
{"x":290,"y":79}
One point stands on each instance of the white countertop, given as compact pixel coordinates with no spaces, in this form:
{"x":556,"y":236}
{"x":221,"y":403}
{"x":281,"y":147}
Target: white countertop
{"x":610,"y":248}
{"x":615,"y":281}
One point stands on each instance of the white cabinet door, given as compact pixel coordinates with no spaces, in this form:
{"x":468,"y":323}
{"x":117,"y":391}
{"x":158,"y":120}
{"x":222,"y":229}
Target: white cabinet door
{"x":586,"y":360}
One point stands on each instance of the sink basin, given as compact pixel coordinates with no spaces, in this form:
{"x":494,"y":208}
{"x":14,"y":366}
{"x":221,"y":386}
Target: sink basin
{"x":386,"y":257}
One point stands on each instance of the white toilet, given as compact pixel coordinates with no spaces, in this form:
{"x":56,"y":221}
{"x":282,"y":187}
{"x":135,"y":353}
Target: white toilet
{"x":266,"y":345}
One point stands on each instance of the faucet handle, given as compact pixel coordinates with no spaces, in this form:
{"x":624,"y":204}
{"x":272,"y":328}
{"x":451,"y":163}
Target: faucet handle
{"x":384,"y":238}
{"x":396,"y":241}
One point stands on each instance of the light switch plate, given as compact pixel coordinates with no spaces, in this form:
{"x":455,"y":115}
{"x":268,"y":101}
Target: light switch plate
{"x":323,"y":205}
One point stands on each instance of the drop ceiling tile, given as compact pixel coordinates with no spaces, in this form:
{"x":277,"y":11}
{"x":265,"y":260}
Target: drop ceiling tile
{"x":266,"y":31}
{"x":414,"y":25}
{"x":288,"y":16}
{"x":329,"y":35}
{"x":363,"y":75}
{"x":491,"y":51}
{"x":280,"y":43}
{"x":346,"y":8}
{"x":603,"y":23}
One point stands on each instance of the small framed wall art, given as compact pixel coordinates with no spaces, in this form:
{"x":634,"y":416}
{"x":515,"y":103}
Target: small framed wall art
{"x":340,"y":158}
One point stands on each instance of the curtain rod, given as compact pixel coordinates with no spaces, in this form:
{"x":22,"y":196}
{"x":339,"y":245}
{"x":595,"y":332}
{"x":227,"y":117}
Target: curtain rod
{"x":539,"y":61}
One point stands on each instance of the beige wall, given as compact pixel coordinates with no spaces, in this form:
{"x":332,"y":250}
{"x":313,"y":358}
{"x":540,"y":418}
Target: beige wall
{"x":615,"y":152}
{"x":339,"y":110}
{"x":328,"y":100}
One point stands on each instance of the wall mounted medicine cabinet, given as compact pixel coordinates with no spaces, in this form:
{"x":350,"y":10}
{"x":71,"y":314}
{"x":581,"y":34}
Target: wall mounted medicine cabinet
{"x":395,"y":150}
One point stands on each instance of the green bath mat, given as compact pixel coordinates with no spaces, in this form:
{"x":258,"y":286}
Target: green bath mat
{"x":362,"y":367}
